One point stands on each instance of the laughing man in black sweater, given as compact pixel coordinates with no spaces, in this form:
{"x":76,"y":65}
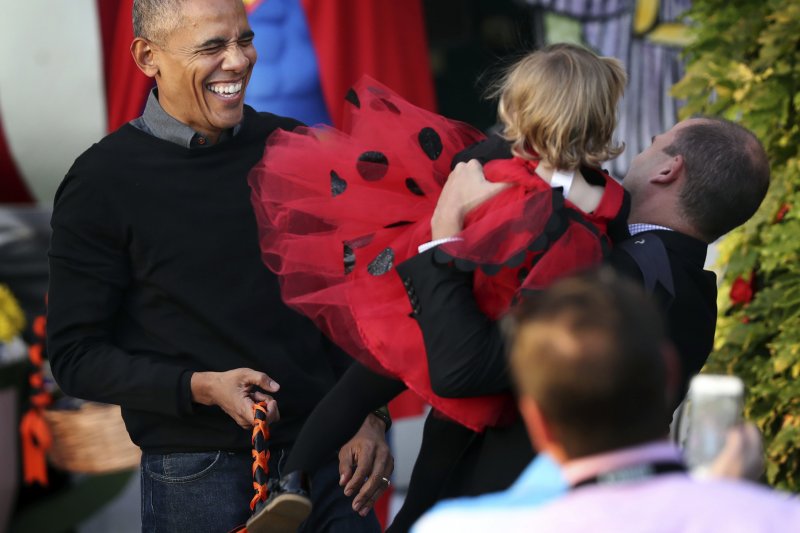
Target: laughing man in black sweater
{"x":158,"y":298}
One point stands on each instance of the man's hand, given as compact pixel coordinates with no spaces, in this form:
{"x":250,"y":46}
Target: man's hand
{"x":742,"y":457}
{"x":466,"y":188}
{"x":365,"y":463}
{"x":235,"y":391}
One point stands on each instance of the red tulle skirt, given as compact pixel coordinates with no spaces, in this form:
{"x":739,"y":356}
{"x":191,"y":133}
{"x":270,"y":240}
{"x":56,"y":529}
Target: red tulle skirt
{"x":338,"y":210}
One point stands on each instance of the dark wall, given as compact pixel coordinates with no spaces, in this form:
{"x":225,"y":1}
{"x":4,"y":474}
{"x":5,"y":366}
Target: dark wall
{"x":470,"y":41}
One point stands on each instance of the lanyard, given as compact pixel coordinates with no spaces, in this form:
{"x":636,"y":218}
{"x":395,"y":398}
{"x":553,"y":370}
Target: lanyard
{"x":633,"y":473}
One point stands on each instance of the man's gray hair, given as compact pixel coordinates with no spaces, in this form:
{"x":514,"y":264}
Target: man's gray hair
{"x":154,"y":20}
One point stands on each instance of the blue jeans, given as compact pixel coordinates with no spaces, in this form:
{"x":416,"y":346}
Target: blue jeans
{"x":211,"y":491}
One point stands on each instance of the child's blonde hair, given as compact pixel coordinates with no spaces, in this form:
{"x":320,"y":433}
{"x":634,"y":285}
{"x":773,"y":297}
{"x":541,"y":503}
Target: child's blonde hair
{"x":561,"y":103}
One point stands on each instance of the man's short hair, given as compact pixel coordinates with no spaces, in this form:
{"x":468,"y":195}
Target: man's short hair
{"x":590,"y":352}
{"x":154,"y":20}
{"x":727,"y":174}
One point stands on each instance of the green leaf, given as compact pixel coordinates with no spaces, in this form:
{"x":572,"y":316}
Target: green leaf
{"x":744,"y":65}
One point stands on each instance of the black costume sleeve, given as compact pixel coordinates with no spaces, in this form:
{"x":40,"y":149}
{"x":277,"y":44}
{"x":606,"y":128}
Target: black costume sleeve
{"x":466,"y":350}
{"x":89,"y":275}
{"x":491,"y":148}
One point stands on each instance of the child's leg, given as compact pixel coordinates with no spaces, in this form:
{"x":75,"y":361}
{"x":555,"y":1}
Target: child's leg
{"x":339,"y":415}
{"x":443,"y":442}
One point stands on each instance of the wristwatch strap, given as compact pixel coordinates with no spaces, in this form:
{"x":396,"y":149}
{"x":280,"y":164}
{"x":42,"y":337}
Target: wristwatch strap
{"x":383,"y":413}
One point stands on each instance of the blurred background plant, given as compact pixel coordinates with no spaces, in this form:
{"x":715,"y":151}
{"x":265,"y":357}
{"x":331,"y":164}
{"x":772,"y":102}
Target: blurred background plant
{"x":744,"y":65}
{"x":12,"y":319}
{"x":12,"y":323}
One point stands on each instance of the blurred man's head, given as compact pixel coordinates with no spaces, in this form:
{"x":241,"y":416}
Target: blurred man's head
{"x":704,"y":177}
{"x":590,"y":360}
{"x":201,"y":54}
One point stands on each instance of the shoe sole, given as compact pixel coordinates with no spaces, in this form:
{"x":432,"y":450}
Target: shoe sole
{"x":282,"y":515}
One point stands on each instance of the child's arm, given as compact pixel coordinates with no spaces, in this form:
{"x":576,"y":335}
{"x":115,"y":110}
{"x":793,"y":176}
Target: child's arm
{"x":466,"y":188}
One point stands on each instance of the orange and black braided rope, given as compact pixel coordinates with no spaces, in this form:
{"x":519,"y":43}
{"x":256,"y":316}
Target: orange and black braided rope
{"x":260,"y":442}
{"x":35,"y":434}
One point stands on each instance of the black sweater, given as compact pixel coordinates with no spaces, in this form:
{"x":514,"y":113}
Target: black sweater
{"x":155,"y":272}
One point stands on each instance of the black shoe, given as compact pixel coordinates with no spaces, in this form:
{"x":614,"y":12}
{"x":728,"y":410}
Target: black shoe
{"x":287,"y":506}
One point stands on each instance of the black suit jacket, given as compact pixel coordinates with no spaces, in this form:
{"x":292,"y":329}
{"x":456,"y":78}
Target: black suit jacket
{"x":466,"y":350}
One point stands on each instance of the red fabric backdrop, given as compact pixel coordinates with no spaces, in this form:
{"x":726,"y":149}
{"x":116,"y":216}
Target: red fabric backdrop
{"x":126,"y":86}
{"x":385,"y":40}
{"x":12,"y":188}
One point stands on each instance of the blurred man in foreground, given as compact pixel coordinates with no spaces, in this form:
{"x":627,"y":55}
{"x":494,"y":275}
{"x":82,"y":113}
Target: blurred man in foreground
{"x":596,"y":378}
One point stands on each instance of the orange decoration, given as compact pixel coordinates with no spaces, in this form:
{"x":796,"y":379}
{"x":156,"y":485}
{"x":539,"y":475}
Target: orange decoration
{"x":41,"y":399}
{"x":36,"y":380}
{"x":39,"y":326}
{"x":260,"y":496}
{"x":35,"y":354}
{"x":36,"y":440}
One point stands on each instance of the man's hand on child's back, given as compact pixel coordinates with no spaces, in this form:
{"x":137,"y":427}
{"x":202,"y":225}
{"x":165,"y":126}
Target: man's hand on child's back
{"x":466,"y":188}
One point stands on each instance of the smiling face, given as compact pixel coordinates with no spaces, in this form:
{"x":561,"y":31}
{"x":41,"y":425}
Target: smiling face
{"x":203,"y":66}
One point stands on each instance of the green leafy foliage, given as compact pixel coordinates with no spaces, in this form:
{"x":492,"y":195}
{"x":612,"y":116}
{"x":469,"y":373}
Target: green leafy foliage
{"x":744,"y":65}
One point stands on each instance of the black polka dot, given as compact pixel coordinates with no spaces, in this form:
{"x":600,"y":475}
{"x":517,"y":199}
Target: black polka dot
{"x":397,"y":224}
{"x":491,"y":270}
{"x":517,"y":260}
{"x":338,"y":185}
{"x":430,"y":142}
{"x":352,"y":97}
{"x":349,"y":259}
{"x":382,"y":264}
{"x":414,"y":187}
{"x":539,"y":244}
{"x":522,"y":274}
{"x":464,"y":265}
{"x":383,"y":104}
{"x":372,"y":166}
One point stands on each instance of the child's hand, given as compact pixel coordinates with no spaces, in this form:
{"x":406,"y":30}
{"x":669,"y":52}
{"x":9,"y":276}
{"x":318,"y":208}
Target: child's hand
{"x":466,"y":189}
{"x":742,"y":457}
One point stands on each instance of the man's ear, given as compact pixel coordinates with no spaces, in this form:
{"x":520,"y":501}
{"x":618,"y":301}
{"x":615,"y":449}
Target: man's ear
{"x":670,"y":171}
{"x":537,"y":427}
{"x":143,"y":55}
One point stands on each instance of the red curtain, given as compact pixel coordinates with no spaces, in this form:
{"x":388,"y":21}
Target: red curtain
{"x":126,"y":86}
{"x":12,"y":189}
{"x":384,"y":39}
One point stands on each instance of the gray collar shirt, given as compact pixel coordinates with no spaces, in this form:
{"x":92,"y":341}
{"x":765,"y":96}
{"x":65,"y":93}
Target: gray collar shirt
{"x":159,"y":123}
